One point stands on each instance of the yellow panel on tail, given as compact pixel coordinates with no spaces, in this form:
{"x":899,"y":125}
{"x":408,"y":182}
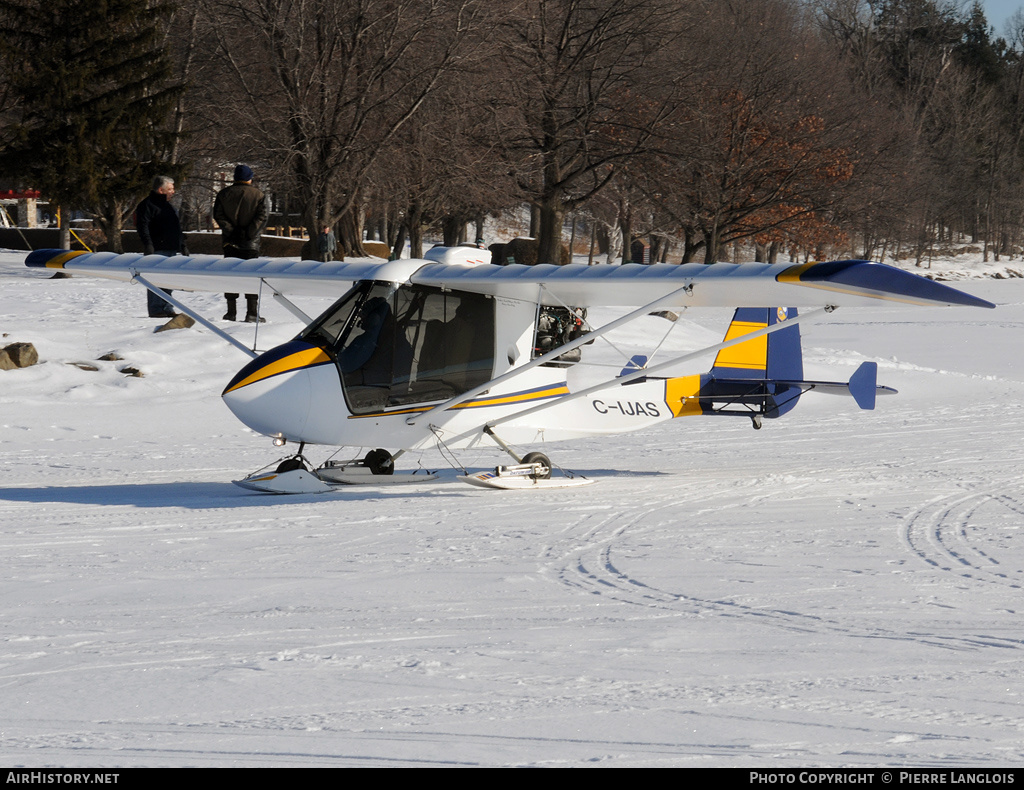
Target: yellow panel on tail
{"x":752,"y":355}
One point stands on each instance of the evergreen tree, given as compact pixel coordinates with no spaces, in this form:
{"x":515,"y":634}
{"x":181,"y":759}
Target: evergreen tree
{"x":91,"y":88}
{"x":915,"y":35}
{"x":978,"y":50}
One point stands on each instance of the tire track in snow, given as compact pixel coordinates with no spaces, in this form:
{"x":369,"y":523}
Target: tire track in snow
{"x":969,"y":535}
{"x":591,"y":568}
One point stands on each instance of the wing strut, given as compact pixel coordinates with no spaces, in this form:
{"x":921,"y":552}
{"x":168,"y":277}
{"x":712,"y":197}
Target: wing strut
{"x":287,"y":304}
{"x":557,"y":352}
{"x":642,"y":372}
{"x":192,"y":314}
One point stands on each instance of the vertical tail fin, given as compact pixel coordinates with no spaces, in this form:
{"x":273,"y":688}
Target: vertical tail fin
{"x":770,"y":358}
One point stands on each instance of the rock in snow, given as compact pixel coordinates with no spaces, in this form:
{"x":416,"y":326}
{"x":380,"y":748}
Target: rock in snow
{"x":18,"y":355}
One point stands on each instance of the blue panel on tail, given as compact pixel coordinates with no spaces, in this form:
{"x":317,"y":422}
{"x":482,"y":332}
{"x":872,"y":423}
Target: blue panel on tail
{"x":769,"y":359}
{"x":863,"y":385}
{"x":785,"y":360}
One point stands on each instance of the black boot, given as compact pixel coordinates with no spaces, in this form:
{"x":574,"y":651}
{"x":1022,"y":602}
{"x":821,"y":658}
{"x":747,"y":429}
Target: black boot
{"x":232,"y":313}
{"x":252,"y":309}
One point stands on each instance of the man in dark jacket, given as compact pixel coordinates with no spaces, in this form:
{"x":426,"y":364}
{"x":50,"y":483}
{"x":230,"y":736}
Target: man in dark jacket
{"x":241,"y":212}
{"x":160,"y":232}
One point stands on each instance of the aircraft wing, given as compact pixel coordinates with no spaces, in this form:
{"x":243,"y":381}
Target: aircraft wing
{"x":632,"y":285}
{"x":212,"y":272}
{"x":718,"y":284}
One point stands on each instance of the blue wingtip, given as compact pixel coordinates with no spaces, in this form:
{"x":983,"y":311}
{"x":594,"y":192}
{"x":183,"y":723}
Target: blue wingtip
{"x":39,"y":258}
{"x":866,"y":276}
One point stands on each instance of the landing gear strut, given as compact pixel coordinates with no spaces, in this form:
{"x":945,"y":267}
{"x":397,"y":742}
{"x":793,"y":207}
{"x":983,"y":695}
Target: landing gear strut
{"x":297,"y":461}
{"x":543,"y":471}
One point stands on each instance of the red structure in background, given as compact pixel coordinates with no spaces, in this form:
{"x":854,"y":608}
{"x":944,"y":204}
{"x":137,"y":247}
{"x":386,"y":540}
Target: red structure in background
{"x":12,"y":194}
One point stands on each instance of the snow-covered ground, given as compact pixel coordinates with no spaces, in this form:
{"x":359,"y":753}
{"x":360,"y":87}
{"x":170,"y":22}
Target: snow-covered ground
{"x":839,"y":588}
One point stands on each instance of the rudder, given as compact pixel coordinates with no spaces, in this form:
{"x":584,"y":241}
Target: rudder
{"x":771,"y":358}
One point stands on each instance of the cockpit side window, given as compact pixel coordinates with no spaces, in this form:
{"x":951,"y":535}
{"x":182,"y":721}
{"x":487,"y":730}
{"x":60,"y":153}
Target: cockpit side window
{"x":414,"y":345}
{"x":365,"y":354}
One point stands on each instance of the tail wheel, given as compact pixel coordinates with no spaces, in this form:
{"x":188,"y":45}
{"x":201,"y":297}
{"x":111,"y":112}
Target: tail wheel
{"x":539,"y":458}
{"x":380,"y":462}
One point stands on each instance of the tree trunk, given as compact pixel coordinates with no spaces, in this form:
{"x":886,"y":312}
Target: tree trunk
{"x":627,"y":236}
{"x":603,"y":237}
{"x":397,"y":233}
{"x":114,"y":240}
{"x":552,"y":217}
{"x":690,"y":245}
{"x":454,"y":231}
{"x":711,"y":245}
{"x":414,"y":224}
{"x":65,"y":230}
{"x":111,"y":222}
{"x":398,"y":243}
{"x":659,"y":249}
{"x":534,"y":221}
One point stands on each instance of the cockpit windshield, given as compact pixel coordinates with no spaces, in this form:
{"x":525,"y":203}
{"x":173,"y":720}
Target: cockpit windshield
{"x":396,"y":346}
{"x":327,"y":330}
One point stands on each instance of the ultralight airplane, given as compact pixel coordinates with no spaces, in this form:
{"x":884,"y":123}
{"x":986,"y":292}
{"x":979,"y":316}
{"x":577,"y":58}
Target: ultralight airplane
{"x":457,"y":352}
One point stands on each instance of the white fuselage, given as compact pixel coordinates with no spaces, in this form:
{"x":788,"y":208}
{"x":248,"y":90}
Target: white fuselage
{"x":304,"y":392}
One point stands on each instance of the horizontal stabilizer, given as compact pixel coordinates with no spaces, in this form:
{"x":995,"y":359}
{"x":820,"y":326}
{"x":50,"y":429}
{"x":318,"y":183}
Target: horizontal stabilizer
{"x":862,"y":386}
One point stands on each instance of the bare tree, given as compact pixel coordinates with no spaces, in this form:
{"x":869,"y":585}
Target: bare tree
{"x":934,"y":72}
{"x":770,"y":136}
{"x":323,"y":87}
{"x":578,"y":77}
{"x":444,"y":168}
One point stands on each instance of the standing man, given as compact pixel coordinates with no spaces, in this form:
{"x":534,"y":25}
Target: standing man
{"x":157,"y":224}
{"x":241,"y":212}
{"x":326,"y":245}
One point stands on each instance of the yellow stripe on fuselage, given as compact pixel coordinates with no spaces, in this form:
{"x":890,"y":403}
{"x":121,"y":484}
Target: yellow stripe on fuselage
{"x":751,"y":355}
{"x":681,"y":396}
{"x":520,"y":397}
{"x":297,"y":361}
{"x":497,"y":400}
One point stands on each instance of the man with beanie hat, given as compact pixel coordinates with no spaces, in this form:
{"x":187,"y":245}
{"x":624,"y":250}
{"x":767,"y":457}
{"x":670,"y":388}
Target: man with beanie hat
{"x":241,"y":212}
